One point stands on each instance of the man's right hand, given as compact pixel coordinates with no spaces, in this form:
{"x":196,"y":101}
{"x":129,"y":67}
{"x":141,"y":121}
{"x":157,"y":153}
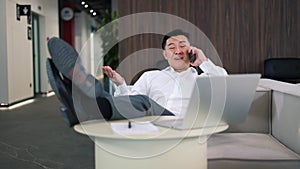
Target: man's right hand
{"x":113,"y":75}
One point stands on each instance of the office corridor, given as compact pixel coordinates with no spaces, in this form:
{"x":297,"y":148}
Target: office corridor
{"x":34,"y":136}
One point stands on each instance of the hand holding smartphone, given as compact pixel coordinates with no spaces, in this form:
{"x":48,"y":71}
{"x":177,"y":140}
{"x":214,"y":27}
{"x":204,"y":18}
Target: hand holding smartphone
{"x":192,"y":57}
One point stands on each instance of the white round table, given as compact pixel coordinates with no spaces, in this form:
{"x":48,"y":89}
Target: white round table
{"x":164,"y":148}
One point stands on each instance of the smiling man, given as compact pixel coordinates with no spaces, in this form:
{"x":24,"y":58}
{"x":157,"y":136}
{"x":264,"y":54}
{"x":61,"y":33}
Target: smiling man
{"x":170,"y":87}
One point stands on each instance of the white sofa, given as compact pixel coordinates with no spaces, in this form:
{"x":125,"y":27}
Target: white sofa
{"x":270,"y":136}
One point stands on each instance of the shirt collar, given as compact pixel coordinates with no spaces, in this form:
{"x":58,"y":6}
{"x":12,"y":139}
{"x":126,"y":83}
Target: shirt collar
{"x":190,"y":69}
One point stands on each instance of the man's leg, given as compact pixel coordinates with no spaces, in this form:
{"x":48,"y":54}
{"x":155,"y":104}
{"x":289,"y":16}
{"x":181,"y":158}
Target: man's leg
{"x":64,"y":57}
{"x":128,"y":107}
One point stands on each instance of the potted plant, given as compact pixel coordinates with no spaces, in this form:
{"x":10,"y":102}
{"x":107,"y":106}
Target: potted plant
{"x":111,"y":58}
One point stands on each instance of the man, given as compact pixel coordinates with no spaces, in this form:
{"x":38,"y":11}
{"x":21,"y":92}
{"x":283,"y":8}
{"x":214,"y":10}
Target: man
{"x":148,"y":96}
{"x":168,"y":87}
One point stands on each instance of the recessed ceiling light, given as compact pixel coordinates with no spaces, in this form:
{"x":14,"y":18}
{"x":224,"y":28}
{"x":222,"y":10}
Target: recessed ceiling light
{"x":86,"y":5}
{"x":94,"y":13}
{"x":91,"y":11}
{"x":82,"y":2}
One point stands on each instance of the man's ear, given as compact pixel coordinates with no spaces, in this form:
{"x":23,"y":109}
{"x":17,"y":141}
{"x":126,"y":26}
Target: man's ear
{"x":165,"y":54}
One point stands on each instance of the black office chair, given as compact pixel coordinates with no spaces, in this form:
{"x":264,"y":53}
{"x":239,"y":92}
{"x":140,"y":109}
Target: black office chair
{"x":282,"y":69}
{"x":62,"y":88}
{"x":139,"y":74}
{"x":159,"y":66}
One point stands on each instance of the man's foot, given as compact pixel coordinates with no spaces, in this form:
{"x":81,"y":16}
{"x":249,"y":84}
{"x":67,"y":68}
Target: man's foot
{"x":64,"y":56}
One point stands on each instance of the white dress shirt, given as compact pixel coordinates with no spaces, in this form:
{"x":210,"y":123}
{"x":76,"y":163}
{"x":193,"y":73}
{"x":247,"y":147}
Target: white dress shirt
{"x":169,"y":88}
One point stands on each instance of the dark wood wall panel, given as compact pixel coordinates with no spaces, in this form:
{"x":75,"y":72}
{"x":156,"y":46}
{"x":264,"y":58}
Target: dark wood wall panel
{"x":244,"y":32}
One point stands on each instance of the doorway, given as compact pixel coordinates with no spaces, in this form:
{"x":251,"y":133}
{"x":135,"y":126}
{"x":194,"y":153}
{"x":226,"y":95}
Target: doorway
{"x":36,"y":54}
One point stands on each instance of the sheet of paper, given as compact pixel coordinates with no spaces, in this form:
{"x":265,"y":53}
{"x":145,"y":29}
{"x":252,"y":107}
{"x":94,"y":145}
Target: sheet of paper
{"x":135,"y":128}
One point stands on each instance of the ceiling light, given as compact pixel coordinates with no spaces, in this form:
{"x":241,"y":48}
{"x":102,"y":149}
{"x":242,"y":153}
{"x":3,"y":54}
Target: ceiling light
{"x":86,"y":5}
{"x":91,"y":11}
{"x":94,"y":13}
{"x":82,"y":2}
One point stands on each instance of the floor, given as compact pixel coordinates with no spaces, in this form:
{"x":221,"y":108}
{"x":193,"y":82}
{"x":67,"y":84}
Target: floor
{"x":34,"y":136}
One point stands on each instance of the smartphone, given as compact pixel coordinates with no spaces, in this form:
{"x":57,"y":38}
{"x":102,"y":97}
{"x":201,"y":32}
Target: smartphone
{"x":192,"y":57}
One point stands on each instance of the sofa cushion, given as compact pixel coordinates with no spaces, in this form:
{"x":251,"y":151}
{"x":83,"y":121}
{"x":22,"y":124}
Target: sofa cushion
{"x":249,"y":150}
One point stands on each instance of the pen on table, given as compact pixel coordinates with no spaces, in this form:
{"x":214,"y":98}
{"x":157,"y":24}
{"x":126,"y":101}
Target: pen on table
{"x":129,"y":124}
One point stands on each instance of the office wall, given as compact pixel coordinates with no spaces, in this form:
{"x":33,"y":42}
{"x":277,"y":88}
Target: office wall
{"x":3,"y":54}
{"x":16,"y":56}
{"x":244,"y":32}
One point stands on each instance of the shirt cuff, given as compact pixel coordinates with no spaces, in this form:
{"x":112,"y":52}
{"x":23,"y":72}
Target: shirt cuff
{"x":206,"y":66}
{"x":122,"y":89}
{"x":209,"y":68}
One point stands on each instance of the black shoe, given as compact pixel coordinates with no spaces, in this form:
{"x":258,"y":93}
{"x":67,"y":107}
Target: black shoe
{"x":64,"y":56}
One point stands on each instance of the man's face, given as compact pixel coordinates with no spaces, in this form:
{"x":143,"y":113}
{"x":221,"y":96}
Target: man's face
{"x":176,"y":52}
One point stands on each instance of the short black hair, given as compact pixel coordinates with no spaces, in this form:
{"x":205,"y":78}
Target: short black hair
{"x":175,"y":32}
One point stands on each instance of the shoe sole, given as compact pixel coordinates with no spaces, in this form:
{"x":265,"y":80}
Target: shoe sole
{"x":64,"y":56}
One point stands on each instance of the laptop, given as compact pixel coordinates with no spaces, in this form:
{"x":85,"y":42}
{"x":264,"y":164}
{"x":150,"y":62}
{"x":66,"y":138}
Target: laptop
{"x":217,"y":100}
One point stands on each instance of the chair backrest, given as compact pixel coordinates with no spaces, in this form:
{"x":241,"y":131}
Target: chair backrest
{"x":62,"y":88}
{"x":283,"y":69}
{"x":139,"y":74}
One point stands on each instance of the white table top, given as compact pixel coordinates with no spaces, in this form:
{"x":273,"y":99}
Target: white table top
{"x":102,"y":129}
